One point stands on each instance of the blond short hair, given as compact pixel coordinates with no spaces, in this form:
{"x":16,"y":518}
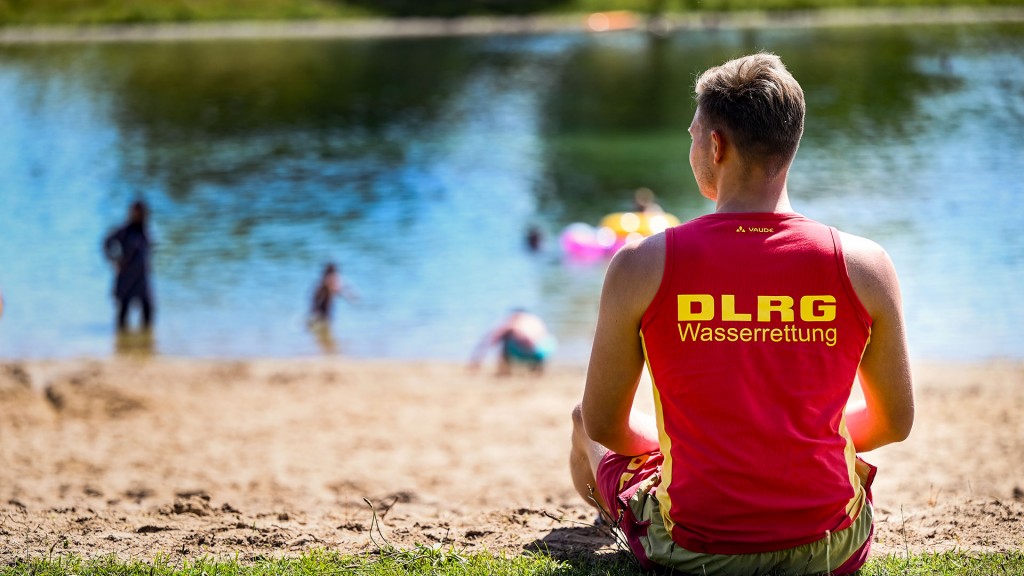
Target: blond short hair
{"x":758,"y":103}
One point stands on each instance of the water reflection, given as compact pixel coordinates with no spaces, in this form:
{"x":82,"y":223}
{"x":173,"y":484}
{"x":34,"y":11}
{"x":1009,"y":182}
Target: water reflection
{"x":135,"y":344}
{"x":324,"y":338}
{"x":422,"y":163}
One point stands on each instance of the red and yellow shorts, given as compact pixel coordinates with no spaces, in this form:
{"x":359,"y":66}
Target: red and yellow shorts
{"x":628,"y":485}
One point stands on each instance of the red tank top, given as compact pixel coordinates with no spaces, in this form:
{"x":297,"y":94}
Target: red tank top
{"x":753,"y":341}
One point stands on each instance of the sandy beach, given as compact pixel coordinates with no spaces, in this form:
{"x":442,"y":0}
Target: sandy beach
{"x":186,"y":458}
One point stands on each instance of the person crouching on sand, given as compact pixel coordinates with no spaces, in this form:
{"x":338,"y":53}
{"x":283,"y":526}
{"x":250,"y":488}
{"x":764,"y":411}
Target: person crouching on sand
{"x":752,"y":464}
{"x":523,"y":338}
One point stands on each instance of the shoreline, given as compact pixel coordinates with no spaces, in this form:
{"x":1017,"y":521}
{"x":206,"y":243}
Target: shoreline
{"x":479,"y":26}
{"x":555,"y":367}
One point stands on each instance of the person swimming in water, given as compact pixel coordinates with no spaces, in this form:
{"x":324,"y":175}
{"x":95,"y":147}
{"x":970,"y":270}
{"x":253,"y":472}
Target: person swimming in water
{"x":645,"y":202}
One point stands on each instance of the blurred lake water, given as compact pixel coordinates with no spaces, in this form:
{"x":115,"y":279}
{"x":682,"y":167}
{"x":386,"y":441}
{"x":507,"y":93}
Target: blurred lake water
{"x":419,"y":165}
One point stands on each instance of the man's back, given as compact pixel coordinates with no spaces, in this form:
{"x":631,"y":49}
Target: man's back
{"x":753,"y":341}
{"x":129,"y":246}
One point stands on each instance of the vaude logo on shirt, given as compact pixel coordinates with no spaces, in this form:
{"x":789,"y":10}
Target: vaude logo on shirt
{"x":774,"y":318}
{"x":761,"y":229}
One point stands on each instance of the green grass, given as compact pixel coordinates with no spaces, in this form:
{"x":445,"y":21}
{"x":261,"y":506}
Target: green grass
{"x":414,"y":562}
{"x":951,"y":564}
{"x":14,"y":12}
{"x":450,"y":562}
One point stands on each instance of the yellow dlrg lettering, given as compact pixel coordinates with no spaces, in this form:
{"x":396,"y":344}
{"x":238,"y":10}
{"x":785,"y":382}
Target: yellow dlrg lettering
{"x":818,"y":308}
{"x":768,"y":304}
{"x":729,"y":310}
{"x":705,"y":307}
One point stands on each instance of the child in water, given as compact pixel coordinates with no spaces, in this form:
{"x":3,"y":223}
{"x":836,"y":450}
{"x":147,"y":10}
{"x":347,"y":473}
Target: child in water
{"x":330,"y":285}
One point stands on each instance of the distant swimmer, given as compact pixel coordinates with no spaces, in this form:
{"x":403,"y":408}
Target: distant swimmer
{"x":643,"y":201}
{"x":534,"y":239}
{"x":523,"y":338}
{"x":331,"y":284}
{"x":128,"y":248}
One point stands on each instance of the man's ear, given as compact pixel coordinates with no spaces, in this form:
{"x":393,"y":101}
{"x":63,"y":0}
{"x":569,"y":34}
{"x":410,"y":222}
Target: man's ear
{"x":718,"y":145}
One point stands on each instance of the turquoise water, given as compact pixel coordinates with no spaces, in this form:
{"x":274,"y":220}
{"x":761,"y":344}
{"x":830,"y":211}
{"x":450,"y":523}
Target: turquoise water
{"x":418,"y":165}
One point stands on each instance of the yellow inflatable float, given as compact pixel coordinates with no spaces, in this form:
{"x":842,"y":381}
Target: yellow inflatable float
{"x":583,"y":241}
{"x":642,"y":223}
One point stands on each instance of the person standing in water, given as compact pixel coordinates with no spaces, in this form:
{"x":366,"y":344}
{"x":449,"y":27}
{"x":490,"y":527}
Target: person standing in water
{"x":331,"y":284}
{"x":128,"y":248}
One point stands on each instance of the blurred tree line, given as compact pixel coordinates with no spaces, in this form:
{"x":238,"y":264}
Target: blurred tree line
{"x":455,"y":7}
{"x":464,"y":7}
{"x":14,"y":12}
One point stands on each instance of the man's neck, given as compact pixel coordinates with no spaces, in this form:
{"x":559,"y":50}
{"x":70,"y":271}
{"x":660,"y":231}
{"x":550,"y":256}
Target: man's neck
{"x":753,"y":195}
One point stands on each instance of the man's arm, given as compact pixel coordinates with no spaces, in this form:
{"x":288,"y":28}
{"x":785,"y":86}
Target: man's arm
{"x":346,"y":292}
{"x":480,"y":350}
{"x":617,"y":359}
{"x":112,"y":247}
{"x":887,"y":414}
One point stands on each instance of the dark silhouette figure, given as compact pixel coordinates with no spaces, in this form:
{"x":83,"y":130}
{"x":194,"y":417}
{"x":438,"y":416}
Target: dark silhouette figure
{"x":129,"y":249}
{"x":534,"y":239}
{"x":330,"y":285}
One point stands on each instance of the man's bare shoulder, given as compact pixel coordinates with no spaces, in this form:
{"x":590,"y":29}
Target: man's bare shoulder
{"x":635,"y":271}
{"x":862,"y":253}
{"x":871,"y":271}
